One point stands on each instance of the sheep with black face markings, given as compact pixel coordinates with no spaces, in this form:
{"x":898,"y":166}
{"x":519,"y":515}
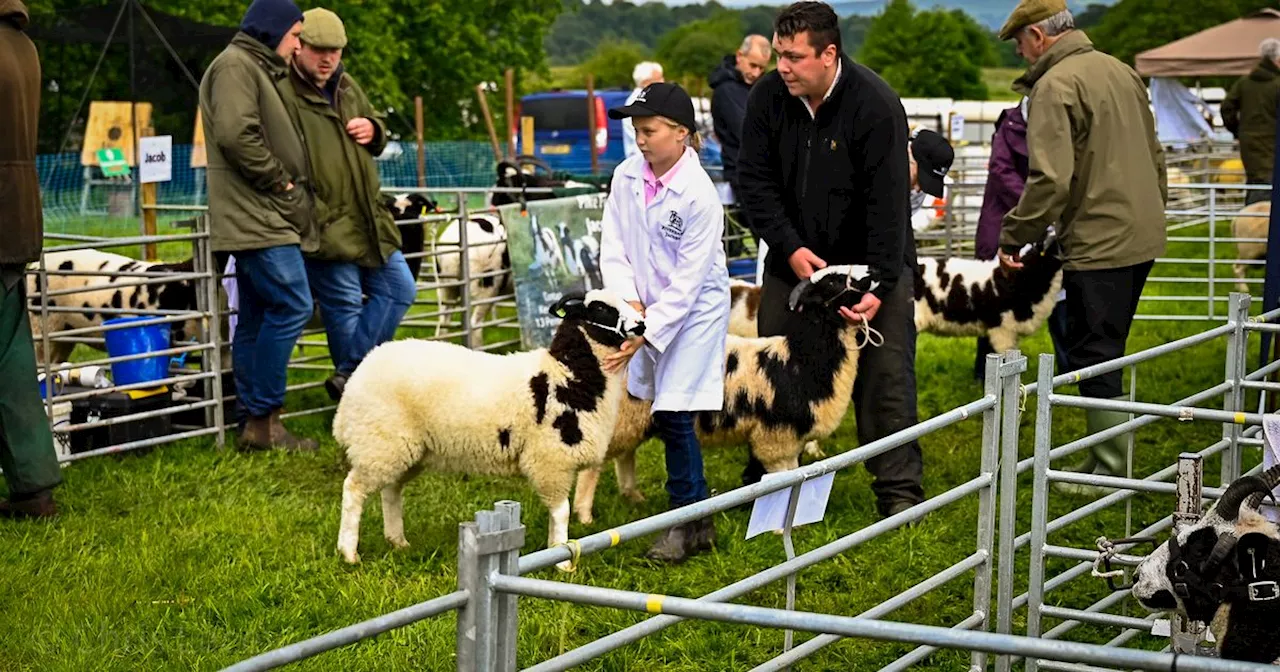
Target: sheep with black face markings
{"x":1223,"y":571}
{"x":975,"y":297}
{"x":780,"y":391}
{"x":544,"y":414}
{"x":99,"y":295}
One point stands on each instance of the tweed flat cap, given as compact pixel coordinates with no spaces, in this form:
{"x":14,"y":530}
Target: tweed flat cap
{"x":323,"y":29}
{"x":1028,"y":12}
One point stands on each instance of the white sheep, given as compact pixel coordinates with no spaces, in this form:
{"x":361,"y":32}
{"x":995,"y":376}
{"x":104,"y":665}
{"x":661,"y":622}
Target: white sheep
{"x":780,"y":391}
{"x":1254,"y":221}
{"x":974,"y":297}
{"x":544,"y":414}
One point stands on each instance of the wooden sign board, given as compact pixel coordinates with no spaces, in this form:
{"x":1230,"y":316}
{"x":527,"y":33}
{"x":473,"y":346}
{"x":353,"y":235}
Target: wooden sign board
{"x":112,"y":126}
{"x":199,"y":159}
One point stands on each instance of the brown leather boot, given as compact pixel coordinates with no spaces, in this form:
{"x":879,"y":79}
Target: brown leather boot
{"x":256,"y":434}
{"x":683,"y":541}
{"x":37,"y":505}
{"x":281,"y":438}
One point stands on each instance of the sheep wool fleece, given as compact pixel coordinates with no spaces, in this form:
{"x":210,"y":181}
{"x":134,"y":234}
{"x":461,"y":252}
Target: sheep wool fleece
{"x":668,"y":256}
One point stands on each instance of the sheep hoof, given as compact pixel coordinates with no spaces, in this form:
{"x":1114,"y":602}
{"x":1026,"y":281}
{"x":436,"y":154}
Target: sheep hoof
{"x":351,"y":557}
{"x":398,"y":543}
{"x":633,"y":496}
{"x":566,"y":566}
{"x":585,"y":517}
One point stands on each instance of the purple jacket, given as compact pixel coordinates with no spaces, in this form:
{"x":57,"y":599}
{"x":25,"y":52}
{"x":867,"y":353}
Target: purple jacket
{"x":1006,"y":176}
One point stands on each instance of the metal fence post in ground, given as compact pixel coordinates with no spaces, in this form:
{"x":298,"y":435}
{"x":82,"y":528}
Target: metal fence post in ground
{"x":1010,"y":412}
{"x":464,"y":268}
{"x":212,"y":362}
{"x":1040,"y":500}
{"x":987,"y":497}
{"x":1213,"y":258}
{"x":1236,"y":370}
{"x":1185,"y":635}
{"x":788,"y":546}
{"x":487,"y":623}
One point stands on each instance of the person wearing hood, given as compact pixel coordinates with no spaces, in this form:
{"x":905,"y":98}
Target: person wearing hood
{"x":1096,"y":173}
{"x":26,"y":445}
{"x":1249,"y":112}
{"x":260,"y":210}
{"x":360,"y":244}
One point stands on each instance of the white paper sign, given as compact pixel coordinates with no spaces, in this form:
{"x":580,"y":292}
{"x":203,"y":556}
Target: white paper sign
{"x":1271,"y":456}
{"x":770,"y":511}
{"x":957,"y":127}
{"x":157,"y":158}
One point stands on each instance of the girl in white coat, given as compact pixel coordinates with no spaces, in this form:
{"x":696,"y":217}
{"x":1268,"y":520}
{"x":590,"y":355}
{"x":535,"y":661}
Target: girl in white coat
{"x":661,"y":249}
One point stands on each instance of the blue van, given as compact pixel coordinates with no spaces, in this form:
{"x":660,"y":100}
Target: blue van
{"x":560,"y":129}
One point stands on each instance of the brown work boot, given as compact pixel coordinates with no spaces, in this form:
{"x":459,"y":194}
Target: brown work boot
{"x":36,"y":505}
{"x":256,"y":434}
{"x":281,"y":438}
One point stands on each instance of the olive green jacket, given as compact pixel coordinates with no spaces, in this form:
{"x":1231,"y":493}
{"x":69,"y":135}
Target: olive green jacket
{"x":354,"y":225}
{"x":1097,"y":171}
{"x":254,"y":151}
{"x":1249,"y":112}
{"x":21,"y":220}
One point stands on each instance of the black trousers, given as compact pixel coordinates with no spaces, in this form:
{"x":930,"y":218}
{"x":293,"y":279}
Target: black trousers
{"x":1099,"y":313}
{"x":884,"y":393}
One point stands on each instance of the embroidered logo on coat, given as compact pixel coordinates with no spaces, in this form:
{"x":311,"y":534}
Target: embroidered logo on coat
{"x":674,"y":228}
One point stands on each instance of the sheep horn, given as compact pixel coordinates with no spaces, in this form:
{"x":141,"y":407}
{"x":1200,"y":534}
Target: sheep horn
{"x":1228,"y":507}
{"x":798,"y":292}
{"x":1272,"y":478}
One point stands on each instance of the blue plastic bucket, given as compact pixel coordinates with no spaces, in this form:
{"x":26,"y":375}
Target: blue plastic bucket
{"x":136,"y":341}
{"x":742,"y":268}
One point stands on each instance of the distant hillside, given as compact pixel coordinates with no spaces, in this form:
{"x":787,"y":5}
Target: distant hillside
{"x":991,"y":13}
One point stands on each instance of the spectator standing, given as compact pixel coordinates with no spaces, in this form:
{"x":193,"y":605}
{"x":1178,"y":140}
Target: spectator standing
{"x":1096,"y":173}
{"x":1249,"y":112}
{"x":26,"y":444}
{"x":261,"y":210}
{"x":359,"y":254}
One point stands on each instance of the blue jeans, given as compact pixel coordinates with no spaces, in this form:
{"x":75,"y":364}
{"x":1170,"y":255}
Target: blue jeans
{"x":354,"y":326}
{"x":686,"y":482}
{"x":275,"y":304}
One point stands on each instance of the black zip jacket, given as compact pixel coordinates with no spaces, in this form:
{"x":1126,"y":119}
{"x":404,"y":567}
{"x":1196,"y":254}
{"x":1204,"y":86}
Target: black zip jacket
{"x":728,"y":106}
{"x":838,"y":184}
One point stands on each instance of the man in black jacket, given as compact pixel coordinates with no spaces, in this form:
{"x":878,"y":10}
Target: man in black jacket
{"x":825,"y":180}
{"x":730,"y":83}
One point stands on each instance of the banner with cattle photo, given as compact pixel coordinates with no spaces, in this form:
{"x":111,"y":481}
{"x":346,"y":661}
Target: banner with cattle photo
{"x":555,"y":249}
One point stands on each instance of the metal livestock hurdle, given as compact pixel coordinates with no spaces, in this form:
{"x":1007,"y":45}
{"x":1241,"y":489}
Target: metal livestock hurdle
{"x":1239,"y":429}
{"x":48,"y":302}
{"x":491,"y":575}
{"x":490,"y":567}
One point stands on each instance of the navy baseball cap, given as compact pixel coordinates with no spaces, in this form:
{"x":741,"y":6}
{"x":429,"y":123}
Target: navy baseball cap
{"x":660,"y":99}
{"x":934,"y":156}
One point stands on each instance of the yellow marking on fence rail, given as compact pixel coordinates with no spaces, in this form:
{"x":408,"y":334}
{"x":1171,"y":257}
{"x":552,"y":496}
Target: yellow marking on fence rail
{"x":614,"y":538}
{"x":1239,"y":417}
{"x":653,"y":604}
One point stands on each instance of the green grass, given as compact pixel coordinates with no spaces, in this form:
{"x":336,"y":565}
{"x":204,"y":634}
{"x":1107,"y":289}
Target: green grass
{"x":191,"y":558}
{"x":998,"y":81}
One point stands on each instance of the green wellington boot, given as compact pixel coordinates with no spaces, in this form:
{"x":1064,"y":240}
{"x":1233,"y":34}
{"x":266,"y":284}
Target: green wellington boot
{"x":1106,"y":458}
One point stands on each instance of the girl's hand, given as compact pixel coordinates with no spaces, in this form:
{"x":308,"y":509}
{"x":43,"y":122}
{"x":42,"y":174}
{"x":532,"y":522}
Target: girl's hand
{"x":619,"y":359}
{"x":638,"y":306}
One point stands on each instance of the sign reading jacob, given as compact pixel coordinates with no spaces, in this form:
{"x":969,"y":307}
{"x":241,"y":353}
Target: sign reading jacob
{"x":555,"y":249}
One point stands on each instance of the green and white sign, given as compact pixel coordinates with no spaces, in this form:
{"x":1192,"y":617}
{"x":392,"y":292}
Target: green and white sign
{"x":111,"y":161}
{"x":555,"y":249}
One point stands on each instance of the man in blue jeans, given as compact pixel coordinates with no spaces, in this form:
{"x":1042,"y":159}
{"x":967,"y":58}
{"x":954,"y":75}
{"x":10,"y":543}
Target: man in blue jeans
{"x":359,"y":250}
{"x":260,"y":210}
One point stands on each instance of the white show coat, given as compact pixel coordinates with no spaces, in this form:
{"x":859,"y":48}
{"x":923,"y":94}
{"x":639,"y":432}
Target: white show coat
{"x":669,"y":256}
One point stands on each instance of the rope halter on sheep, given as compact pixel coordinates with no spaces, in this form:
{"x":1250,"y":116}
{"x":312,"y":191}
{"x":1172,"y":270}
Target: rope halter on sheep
{"x":854,"y":275}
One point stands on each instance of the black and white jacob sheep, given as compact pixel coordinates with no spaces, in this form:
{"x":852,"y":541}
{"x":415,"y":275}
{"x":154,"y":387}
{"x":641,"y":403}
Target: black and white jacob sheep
{"x":779,"y":392}
{"x":974,"y":297}
{"x":544,"y":414}
{"x":99,"y":293}
{"x":511,"y":176}
{"x":1224,"y":571}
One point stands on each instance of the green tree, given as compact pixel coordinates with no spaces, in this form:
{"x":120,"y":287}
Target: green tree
{"x":611,"y":63}
{"x":924,"y":54}
{"x":1133,"y":26}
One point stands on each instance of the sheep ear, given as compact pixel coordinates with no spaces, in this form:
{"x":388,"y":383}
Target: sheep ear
{"x":568,"y":304}
{"x":798,"y":293}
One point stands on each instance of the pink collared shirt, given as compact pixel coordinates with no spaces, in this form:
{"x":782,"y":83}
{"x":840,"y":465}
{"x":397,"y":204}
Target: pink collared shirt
{"x":653,"y":184}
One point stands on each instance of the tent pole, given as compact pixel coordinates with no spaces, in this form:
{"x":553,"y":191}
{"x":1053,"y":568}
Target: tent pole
{"x":133,"y":109}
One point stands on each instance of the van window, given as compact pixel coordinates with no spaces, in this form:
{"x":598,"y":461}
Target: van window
{"x":556,"y":114}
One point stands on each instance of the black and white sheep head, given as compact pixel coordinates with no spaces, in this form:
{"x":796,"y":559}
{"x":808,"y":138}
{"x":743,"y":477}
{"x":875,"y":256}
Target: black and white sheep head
{"x":831,"y":288}
{"x":1190,"y":572}
{"x":603,"y":315}
{"x":409,"y":206}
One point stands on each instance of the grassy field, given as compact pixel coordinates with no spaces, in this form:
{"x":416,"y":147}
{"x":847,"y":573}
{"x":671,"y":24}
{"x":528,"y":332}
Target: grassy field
{"x":189,"y":558}
{"x":998,"y":81}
